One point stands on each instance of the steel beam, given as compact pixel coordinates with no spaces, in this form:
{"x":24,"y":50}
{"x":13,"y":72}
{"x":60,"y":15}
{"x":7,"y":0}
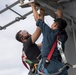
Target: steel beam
{"x":14,"y":11}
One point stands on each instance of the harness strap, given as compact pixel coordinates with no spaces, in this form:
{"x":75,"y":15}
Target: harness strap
{"x":52,"y":49}
{"x":24,"y":62}
{"x":59,"y":46}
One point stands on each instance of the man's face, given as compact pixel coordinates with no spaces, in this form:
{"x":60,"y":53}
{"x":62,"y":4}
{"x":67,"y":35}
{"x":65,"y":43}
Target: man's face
{"x":24,"y":34}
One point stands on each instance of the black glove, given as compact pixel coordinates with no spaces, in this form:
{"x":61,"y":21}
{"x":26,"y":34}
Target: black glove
{"x":46,"y":63}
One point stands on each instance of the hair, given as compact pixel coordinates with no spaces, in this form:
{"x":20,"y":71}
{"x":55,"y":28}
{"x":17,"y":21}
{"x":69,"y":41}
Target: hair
{"x":62,"y":24}
{"x":18,"y":38}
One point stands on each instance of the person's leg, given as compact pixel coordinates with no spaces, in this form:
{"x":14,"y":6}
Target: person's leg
{"x":54,"y":66}
{"x":64,"y":72}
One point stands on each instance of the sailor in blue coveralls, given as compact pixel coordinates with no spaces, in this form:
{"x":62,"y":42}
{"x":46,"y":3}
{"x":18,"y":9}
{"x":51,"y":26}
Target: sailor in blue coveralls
{"x":49,"y":36}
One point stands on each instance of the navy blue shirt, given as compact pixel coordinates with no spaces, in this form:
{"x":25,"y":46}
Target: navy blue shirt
{"x":49,"y":36}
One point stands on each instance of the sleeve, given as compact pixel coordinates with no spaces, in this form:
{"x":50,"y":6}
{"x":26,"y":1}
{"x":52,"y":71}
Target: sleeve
{"x":40,"y":23}
{"x":43,"y":26}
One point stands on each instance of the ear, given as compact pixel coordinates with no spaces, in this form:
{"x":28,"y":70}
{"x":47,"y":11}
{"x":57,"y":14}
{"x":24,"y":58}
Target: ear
{"x":55,"y":25}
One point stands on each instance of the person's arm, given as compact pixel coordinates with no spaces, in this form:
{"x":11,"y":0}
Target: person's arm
{"x":36,"y":15}
{"x":59,"y":13}
{"x":42,"y":13}
{"x":36,"y":34}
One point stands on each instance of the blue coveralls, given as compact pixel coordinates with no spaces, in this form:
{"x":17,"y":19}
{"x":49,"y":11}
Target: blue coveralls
{"x":49,"y":36}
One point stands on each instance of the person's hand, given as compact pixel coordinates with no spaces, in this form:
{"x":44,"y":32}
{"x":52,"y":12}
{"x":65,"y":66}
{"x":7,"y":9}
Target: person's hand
{"x":59,"y":13}
{"x":32,"y":4}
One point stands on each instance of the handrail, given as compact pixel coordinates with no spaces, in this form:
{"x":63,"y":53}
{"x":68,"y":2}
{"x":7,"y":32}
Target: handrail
{"x":3,"y":10}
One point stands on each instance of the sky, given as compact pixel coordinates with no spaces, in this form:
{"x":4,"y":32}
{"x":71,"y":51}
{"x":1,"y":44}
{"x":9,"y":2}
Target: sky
{"x":10,"y":49}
